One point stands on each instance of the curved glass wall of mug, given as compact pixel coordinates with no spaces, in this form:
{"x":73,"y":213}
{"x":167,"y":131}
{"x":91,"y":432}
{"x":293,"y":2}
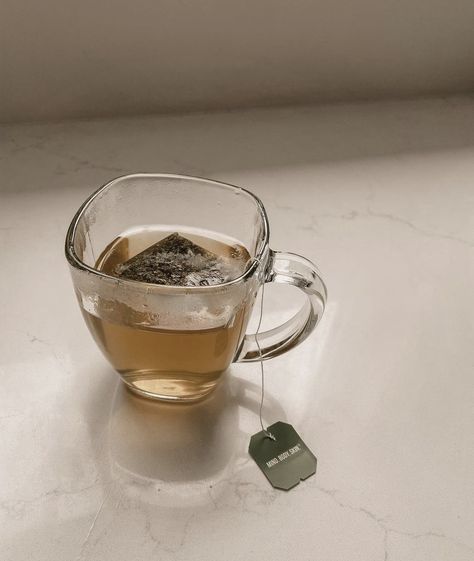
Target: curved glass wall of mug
{"x":168,"y":342}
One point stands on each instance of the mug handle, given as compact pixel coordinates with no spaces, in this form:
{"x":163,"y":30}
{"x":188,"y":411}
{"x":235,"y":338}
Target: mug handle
{"x":288,"y":268}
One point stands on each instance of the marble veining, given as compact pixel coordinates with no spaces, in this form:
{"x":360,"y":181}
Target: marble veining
{"x":381,"y":197}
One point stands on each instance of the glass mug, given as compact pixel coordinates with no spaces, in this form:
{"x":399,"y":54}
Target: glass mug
{"x":174,"y":342}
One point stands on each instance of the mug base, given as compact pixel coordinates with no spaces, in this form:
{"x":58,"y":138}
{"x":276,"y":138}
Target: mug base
{"x":172,"y":387}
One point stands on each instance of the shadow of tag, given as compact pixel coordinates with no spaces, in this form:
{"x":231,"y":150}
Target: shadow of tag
{"x":286,"y":460}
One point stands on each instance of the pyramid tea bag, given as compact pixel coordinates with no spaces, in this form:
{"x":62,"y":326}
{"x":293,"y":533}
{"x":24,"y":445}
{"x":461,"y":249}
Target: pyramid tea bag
{"x":177,"y":261}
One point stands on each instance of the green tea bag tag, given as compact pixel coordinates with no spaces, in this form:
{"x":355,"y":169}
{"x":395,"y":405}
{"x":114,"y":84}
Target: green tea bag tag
{"x":284,"y":459}
{"x":278,"y":450}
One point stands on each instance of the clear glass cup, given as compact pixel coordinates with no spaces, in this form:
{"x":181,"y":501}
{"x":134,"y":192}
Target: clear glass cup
{"x":171,"y":342}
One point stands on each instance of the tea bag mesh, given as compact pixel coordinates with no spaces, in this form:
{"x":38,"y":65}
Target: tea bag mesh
{"x":177,"y":261}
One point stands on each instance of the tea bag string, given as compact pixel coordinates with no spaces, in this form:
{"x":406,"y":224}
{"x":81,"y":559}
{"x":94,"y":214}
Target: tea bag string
{"x":262,"y":372}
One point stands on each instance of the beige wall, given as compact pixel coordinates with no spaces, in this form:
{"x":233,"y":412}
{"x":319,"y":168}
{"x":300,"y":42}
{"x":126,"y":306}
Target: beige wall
{"x":65,"y":58}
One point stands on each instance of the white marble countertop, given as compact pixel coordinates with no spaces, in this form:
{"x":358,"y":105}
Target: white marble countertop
{"x":381,"y":197}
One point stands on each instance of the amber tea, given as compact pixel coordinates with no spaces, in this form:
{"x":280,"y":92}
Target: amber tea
{"x":172,"y":362}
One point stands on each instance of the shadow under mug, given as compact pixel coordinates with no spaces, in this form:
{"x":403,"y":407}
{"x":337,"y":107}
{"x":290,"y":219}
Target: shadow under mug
{"x":172,"y":342}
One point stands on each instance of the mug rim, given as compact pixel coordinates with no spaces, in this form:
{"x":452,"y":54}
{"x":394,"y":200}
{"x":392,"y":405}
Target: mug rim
{"x":77,"y":263}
